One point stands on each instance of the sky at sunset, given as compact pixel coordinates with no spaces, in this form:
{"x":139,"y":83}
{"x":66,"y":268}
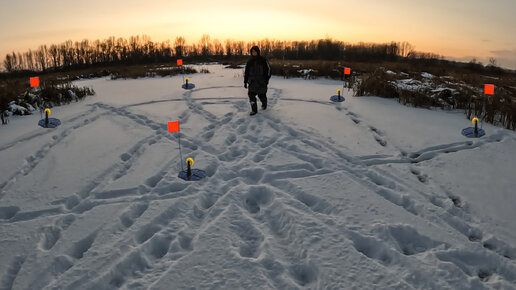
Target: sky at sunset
{"x":456,"y":29}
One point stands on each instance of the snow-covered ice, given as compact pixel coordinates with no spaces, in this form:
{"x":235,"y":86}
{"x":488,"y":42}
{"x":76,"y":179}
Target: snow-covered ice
{"x":309,"y":194}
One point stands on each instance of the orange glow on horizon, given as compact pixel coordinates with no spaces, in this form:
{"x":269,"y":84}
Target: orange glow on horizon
{"x":458,"y":29}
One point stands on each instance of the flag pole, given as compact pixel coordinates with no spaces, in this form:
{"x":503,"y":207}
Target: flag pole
{"x":40,"y":105}
{"x":488,"y":90}
{"x":174,"y":127}
{"x":180,"y":154}
{"x":344,"y":81}
{"x":179,"y":62}
{"x":483,"y":112}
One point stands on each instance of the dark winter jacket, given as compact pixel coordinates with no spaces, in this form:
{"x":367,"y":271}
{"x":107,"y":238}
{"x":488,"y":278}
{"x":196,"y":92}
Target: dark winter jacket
{"x":257,"y":73}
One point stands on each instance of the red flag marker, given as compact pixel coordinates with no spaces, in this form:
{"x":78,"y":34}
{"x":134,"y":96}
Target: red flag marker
{"x":489,"y":89}
{"x":173,"y":126}
{"x":34,"y":82}
{"x":347,"y":71}
{"x":179,"y":62}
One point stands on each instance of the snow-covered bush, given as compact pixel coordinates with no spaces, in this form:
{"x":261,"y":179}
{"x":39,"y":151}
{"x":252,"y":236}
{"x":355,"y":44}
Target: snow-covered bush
{"x":17,"y":99}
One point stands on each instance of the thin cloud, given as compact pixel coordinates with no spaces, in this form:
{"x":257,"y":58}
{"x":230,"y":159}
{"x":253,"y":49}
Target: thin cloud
{"x":504,"y":52}
{"x":505,"y":57}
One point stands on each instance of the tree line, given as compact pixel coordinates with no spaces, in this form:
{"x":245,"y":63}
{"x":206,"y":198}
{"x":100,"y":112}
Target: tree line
{"x":141,"y":49}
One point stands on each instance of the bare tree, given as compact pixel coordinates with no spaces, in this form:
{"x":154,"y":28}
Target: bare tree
{"x":86,"y":52}
{"x":179,"y":46}
{"x":239,"y":48}
{"x":218,"y":49}
{"x":229,"y":47}
{"x":54,"y":53}
{"x":205,"y":45}
{"x":41,"y":57}
{"x":122,"y":48}
{"x":265,"y":47}
{"x":10,"y":62}
{"x":492,"y":61}
{"x":29,"y":60}
{"x":405,"y":48}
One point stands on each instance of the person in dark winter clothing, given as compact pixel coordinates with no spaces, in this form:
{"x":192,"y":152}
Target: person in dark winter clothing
{"x":256,"y":77}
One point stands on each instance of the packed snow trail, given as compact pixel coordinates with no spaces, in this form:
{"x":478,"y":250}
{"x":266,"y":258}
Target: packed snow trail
{"x":307,"y":194}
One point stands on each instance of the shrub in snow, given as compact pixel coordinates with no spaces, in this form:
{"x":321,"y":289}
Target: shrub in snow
{"x":307,"y":73}
{"x":379,"y":83}
{"x":427,"y":90}
{"x":72,"y":95}
{"x":53,"y":93}
{"x":18,"y":110}
{"x":416,"y":98}
{"x":15,"y":99}
{"x":427,"y":75}
{"x":29,"y":107}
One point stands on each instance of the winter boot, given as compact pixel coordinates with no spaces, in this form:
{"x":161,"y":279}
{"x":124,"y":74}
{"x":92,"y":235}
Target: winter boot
{"x":264,"y":105}
{"x":263,"y":100}
{"x":254,"y":108}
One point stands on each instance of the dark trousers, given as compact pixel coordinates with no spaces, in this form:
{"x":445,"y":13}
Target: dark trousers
{"x":252,"y":99}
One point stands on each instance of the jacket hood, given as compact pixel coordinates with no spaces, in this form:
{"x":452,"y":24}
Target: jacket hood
{"x":255,"y":48}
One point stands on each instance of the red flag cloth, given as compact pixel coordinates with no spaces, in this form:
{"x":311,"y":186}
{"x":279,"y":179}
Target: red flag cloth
{"x":347,"y":71}
{"x":179,"y":62}
{"x":489,"y":89}
{"x":34,"y":82}
{"x":173,"y":126}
